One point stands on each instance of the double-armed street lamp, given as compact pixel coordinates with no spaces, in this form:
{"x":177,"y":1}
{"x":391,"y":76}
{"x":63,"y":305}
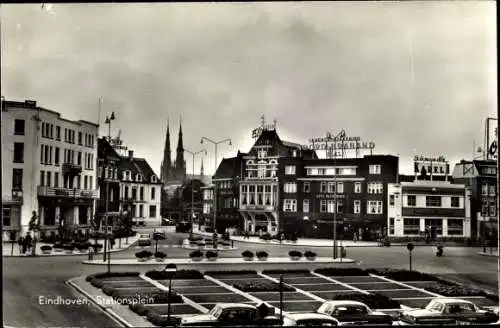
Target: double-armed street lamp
{"x":171,"y":269}
{"x":105,"y":177}
{"x":204,"y":152}
{"x":215,"y":143}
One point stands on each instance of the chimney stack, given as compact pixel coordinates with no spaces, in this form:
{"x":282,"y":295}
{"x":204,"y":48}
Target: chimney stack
{"x":130,"y":155}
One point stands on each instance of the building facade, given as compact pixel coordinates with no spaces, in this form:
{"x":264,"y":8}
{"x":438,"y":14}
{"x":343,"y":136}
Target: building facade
{"x":140,"y":190}
{"x":481,"y":177}
{"x":418,"y":207}
{"x":48,"y":167}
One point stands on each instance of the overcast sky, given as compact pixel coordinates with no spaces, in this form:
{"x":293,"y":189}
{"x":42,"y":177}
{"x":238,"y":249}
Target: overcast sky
{"x":413,"y":77}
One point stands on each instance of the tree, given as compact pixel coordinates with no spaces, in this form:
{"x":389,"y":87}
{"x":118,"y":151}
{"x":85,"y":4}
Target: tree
{"x":34,"y":225}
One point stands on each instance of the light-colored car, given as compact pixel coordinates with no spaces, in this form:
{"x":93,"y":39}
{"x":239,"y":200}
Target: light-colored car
{"x":309,"y":320}
{"x":451,"y":311}
{"x":353,"y":313}
{"x":144,"y":239}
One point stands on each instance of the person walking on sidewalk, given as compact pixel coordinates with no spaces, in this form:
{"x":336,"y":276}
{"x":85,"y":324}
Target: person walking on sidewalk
{"x":28,"y":240}
{"x":20,"y":243}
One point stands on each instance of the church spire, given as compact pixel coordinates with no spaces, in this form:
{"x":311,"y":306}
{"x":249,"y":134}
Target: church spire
{"x":180,"y":146}
{"x":180,"y":163}
{"x":167,"y":160}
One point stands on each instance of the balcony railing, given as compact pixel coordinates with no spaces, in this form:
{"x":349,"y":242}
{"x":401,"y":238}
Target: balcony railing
{"x":257,"y":207}
{"x":71,"y":168}
{"x":66,"y":192}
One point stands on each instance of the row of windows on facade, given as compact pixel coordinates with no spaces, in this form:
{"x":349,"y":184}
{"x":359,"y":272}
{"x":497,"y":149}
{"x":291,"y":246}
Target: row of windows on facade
{"x":372,"y":169}
{"x":488,"y":189}
{"x":134,"y":195}
{"x":411,"y":226}
{"x":68,"y":182}
{"x":127,"y":175}
{"x":325,"y":187}
{"x":430,"y":201}
{"x":46,"y":158}
{"x":328,"y":206}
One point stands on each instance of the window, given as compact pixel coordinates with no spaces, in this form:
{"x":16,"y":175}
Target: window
{"x":290,"y":205}
{"x":357,"y":206}
{"x":375,"y":188}
{"x":79,"y":158}
{"x":357,"y":187}
{"x":91,"y":183}
{"x":152,"y":211}
{"x":455,"y":202}
{"x":290,"y":187}
{"x":331,"y":187}
{"x":152,"y":193}
{"x":455,"y":227}
{"x":433,"y":201}
{"x":80,"y":138}
{"x":141,"y":193}
{"x":411,"y":226}
{"x":309,"y":172}
{"x":18,"y":152}
{"x":484,"y":209}
{"x":391,"y":200}
{"x":307,"y":187}
{"x":435,"y":223}
{"x":323,"y":187}
{"x":374,"y":207}
{"x":17,"y":179}
{"x":19,"y":127}
{"x":134,"y":193}
{"x":322,"y":206}
{"x":42,"y":154}
{"x":340,"y":187}
{"x":56,"y":179}
{"x":85,"y":182}
{"x":305,"y":206}
{"x":321,"y":171}
{"x":375,"y":169}
{"x":49,"y":179}
{"x":261,"y":153}
{"x":58,"y":133}
{"x":290,"y":169}
{"x":391,"y":226}
{"x":493,"y":208}
{"x":412,"y":200}
{"x":261,"y":170}
{"x":42,"y":178}
{"x":125,"y":193}
{"x":330,"y":206}
{"x":6,"y":216}
{"x":492,"y":190}
{"x":141,"y":211}
{"x":56,"y":156}
{"x":484,"y":189}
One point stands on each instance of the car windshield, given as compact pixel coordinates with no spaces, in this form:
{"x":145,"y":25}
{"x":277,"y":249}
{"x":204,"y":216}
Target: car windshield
{"x":350,"y":310}
{"x":315,"y":323}
{"x":459,"y":308}
{"x":215,"y":312}
{"x":144,"y":236}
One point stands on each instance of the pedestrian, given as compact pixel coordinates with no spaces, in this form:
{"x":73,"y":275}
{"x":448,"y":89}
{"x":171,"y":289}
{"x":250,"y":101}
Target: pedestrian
{"x":20,"y":242}
{"x":29,"y":241}
{"x":355,"y":238}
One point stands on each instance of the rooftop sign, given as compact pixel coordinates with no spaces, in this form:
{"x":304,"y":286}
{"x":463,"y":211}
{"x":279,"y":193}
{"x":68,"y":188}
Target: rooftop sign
{"x":339,"y":142}
{"x":263,"y":127}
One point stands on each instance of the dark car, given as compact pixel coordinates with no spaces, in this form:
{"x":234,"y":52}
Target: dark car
{"x":353,"y":313}
{"x":183,"y":226}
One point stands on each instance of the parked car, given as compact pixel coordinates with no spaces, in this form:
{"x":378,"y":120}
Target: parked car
{"x":167,"y":222}
{"x":183,"y":226}
{"x":309,"y":320}
{"x":449,"y":311}
{"x":231,"y":314}
{"x":144,"y":239}
{"x":356,"y":313}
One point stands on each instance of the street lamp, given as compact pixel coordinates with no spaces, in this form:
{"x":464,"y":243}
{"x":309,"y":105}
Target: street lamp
{"x":171,"y":269}
{"x":192,"y":187}
{"x":341,"y":136}
{"x":215,"y":184}
{"x":108,"y":121}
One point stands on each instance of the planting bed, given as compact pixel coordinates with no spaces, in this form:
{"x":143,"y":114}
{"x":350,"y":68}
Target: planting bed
{"x":175,"y":309}
{"x":322,"y":287}
{"x":287,"y":296}
{"x":306,"y":306}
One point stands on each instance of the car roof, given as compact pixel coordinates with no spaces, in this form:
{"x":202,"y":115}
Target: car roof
{"x":344,"y":302}
{"x":446,"y":300}
{"x":299,"y":316}
{"x":232,"y":305}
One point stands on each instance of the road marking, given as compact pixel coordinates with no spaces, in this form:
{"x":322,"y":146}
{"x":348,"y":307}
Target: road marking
{"x":303,"y":292}
{"x":195,"y":294}
{"x":387,"y":290}
{"x":405,"y":285}
{"x":240,"y":279}
{"x":341,"y":283}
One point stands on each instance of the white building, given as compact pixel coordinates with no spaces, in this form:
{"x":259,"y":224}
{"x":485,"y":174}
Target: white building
{"x":48,"y":167}
{"x":418,"y":205}
{"x":140,"y":190}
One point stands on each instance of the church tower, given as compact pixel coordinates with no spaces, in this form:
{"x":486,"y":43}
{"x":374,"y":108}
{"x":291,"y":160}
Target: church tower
{"x":166,"y":166}
{"x":180,"y":163}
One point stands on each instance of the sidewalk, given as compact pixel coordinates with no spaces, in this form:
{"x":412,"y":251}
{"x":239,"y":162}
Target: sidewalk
{"x":7,"y":250}
{"x":487,"y":253}
{"x":304,"y":242}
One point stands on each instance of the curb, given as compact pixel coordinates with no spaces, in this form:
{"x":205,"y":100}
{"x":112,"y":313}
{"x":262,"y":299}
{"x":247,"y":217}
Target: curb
{"x":106,"y":310}
{"x":238,"y":261}
{"x":487,"y":254}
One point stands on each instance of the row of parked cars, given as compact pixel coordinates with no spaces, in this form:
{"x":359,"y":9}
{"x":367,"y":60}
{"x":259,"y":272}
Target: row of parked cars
{"x":439,"y":311}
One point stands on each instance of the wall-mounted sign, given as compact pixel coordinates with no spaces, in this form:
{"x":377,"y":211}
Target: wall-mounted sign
{"x":491,"y":146}
{"x":330,"y":196}
{"x":338,"y":144}
{"x":432,"y":166}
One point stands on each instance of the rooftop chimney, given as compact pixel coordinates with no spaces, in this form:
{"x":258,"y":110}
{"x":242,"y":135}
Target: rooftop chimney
{"x":130,"y":155}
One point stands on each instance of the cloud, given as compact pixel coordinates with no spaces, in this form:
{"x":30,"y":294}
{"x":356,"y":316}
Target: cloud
{"x":414,"y":75}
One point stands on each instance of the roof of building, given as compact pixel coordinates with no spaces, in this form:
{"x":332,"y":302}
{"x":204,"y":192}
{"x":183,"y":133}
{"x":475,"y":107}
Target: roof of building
{"x":105,"y":149}
{"x":138,"y":165}
{"x":229,"y":167}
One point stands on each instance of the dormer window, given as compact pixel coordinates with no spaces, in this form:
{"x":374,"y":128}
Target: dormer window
{"x":261,"y":153}
{"x":153,"y":178}
{"x":138,"y":177}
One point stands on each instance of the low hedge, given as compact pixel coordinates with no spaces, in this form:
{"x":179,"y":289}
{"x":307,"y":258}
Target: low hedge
{"x":179,"y":274}
{"x":140,"y":309}
{"x":403,"y":275}
{"x":262,"y":286}
{"x":143,"y":254}
{"x":342,"y":272}
{"x":247,"y":253}
{"x":162,"y":321}
{"x":210,"y":254}
{"x":262,"y":254}
{"x":196,"y":253}
{"x":102,"y":275}
{"x":283,"y":271}
{"x":309,"y":254}
{"x":46,"y":248}
{"x":374,"y":301}
{"x":295,"y":254}
{"x":215,"y":273}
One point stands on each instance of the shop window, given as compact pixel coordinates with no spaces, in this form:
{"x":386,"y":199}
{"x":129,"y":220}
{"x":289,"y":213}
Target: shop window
{"x":412,"y":200}
{"x":436,"y":224}
{"x":411,"y":226}
{"x":455,"y":227}
{"x":455,"y":202}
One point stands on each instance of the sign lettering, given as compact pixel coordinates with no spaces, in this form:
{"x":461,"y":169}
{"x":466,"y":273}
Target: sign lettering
{"x":491,"y":139}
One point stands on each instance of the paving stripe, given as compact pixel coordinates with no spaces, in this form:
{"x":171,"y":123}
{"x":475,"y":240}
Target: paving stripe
{"x":186,"y":300}
{"x":408,"y":286}
{"x":341,"y":283}
{"x":387,"y":290}
{"x":413,"y":298}
{"x":303,"y":292}
{"x":316,"y":284}
{"x":195,"y":294}
{"x":239,"y":292}
{"x":239,"y":279}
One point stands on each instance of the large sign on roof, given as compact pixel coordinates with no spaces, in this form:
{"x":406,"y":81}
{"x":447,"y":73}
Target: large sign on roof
{"x":433,"y":166}
{"x":339,"y":144}
{"x":491,"y":138}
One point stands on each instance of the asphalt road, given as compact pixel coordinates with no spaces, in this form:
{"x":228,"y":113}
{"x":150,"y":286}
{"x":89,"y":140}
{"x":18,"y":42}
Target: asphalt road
{"x":25,"y":279}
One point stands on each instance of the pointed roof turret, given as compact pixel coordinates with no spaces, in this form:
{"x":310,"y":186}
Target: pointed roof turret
{"x":180,"y":146}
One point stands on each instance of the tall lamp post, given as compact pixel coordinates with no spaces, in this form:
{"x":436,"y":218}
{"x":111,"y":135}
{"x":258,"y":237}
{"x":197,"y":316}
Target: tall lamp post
{"x":171,"y":269}
{"x":341,"y":136}
{"x":108,"y":121}
{"x":215,"y":143}
{"x":192,"y":186}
